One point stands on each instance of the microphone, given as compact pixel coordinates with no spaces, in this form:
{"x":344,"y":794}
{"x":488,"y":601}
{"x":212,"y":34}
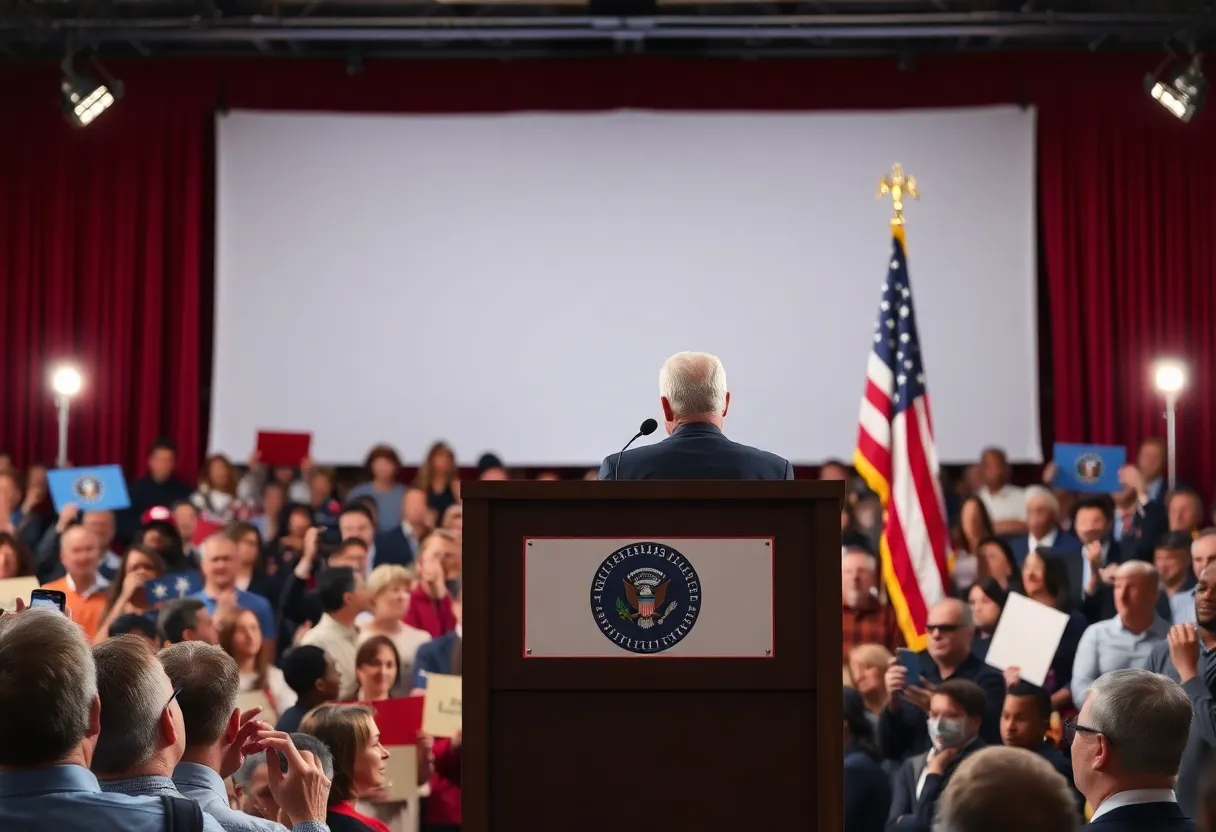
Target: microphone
{"x":645,"y":429}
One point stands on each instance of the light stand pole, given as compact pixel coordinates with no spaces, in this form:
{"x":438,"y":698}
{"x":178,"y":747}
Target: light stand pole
{"x":1170,"y":378}
{"x":66,"y":382}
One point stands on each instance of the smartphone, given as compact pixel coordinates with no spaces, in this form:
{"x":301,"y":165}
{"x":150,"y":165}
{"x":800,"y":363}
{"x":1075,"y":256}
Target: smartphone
{"x":48,"y":599}
{"x":910,"y":661}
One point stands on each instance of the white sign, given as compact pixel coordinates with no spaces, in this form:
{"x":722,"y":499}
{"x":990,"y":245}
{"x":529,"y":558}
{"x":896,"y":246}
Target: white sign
{"x":591,"y":597}
{"x":1027,"y":638}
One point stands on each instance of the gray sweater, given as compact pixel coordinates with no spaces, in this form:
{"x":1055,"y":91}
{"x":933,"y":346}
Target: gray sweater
{"x":1201,"y":744}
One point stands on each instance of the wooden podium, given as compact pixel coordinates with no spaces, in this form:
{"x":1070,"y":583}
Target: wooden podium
{"x":673,"y":741}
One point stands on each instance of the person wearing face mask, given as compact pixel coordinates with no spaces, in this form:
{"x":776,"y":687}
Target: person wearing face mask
{"x":956,"y":710}
{"x":950,"y":633}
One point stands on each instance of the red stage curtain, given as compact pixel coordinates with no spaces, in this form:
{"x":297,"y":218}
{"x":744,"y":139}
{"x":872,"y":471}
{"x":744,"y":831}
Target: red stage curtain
{"x":111,"y":225}
{"x":1128,"y":221}
{"x":101,"y":250}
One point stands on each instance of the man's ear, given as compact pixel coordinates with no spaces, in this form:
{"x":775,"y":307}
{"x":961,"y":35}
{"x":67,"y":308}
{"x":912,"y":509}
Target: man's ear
{"x":168,"y":729}
{"x":234,"y":727}
{"x":1102,"y":757}
{"x":94,"y":717}
{"x":669,"y":415}
{"x":727,"y":407}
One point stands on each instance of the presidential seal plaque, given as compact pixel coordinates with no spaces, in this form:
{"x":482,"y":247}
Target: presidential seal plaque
{"x":646,"y":597}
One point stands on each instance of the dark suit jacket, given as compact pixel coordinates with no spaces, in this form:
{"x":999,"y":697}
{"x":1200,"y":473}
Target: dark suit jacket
{"x":393,"y":546}
{"x":1142,"y":817}
{"x":697,"y":451}
{"x":867,"y":792}
{"x":911,"y":812}
{"x":434,"y":656}
{"x":1064,"y":542}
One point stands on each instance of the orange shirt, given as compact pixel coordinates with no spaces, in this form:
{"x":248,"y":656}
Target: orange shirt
{"x":87,"y":610}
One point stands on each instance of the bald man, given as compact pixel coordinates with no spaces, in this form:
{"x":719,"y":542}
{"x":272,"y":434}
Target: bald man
{"x":1126,"y":640}
{"x":84,"y":588}
{"x":694,"y":400}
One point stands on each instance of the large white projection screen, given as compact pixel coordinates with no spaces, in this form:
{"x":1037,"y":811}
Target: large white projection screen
{"x":514,"y":282}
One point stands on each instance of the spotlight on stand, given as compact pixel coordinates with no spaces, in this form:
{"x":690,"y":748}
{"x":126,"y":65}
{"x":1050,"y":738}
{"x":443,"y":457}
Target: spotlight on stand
{"x":84,"y":97}
{"x":1183,"y":93}
{"x":1169,"y":375}
{"x":66,"y":382}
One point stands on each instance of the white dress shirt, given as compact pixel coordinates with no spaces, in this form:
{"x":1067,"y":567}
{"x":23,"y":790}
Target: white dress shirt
{"x":1133,"y":797}
{"x":1007,"y":504}
{"x":1046,"y":541}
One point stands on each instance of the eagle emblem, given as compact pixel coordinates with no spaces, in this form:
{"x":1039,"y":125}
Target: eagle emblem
{"x":1089,"y":468}
{"x":87,"y":488}
{"x":645,"y":592}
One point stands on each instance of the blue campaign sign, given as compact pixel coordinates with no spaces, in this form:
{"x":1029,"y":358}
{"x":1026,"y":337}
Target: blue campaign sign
{"x":173,"y":586}
{"x":102,"y":487}
{"x":1089,"y":468}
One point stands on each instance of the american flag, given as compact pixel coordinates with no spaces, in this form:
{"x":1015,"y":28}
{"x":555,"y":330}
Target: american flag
{"x":896,"y":457}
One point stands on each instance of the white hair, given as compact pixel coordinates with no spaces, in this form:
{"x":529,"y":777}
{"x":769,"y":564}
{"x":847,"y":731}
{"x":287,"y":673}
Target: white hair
{"x":208,"y":544}
{"x":694,"y":383}
{"x":1145,"y":716}
{"x":1038,"y":492}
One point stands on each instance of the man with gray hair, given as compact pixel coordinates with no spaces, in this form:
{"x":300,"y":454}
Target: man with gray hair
{"x":999,"y":789}
{"x":217,"y":735}
{"x":143,"y":734}
{"x":220,"y":590}
{"x":1127,"y":744}
{"x":694,"y":399}
{"x":1043,"y":529}
{"x":50,"y":731}
{"x":252,"y":780}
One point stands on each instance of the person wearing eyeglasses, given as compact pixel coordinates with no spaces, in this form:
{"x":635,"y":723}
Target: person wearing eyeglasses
{"x":1127,"y":745}
{"x":950,"y":631}
{"x":139,"y":746}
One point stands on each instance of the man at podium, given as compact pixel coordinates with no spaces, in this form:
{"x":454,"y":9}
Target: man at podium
{"x":692,"y":392}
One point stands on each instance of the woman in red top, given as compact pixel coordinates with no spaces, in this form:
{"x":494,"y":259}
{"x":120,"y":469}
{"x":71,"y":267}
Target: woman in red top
{"x":430,"y":603}
{"x":441,"y":809}
{"x":351,"y":734}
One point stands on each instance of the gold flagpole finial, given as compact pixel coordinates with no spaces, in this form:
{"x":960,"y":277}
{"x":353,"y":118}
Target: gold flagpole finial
{"x":898,"y":186}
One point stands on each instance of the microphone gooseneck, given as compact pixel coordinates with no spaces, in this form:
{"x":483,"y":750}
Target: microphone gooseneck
{"x":648,"y":427}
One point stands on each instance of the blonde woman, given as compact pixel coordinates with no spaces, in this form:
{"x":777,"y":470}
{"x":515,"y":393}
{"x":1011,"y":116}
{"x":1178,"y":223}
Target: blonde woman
{"x":390,"y":586}
{"x":867,"y":665}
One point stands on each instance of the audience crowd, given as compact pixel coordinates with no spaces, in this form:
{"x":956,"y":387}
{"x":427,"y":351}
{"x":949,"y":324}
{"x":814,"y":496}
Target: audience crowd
{"x":244,"y":703}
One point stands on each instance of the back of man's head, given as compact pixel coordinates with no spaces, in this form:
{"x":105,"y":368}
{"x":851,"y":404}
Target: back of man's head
{"x":302,"y":667}
{"x":325,"y":757}
{"x":694,"y":383}
{"x":131,"y":685}
{"x":47,"y":687}
{"x":178,"y":616}
{"x":1002,"y":789}
{"x":1145,"y":717}
{"x":333,"y":585}
{"x":210,"y":681}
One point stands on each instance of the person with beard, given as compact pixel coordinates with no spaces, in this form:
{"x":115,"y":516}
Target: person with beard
{"x":1188,"y":657}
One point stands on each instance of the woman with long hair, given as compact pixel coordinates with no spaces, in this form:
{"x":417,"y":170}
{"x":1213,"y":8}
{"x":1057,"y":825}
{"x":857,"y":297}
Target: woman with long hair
{"x":430,"y":605}
{"x":241,"y":638}
{"x":378,"y":669}
{"x":216,"y":497}
{"x":383,"y":467}
{"x":987,"y":599}
{"x":126,"y":595}
{"x":351,"y":734}
{"x":390,"y":586}
{"x":996,"y":560}
{"x":16,"y":559}
{"x":868,"y":665}
{"x":1045,"y":579}
{"x":974,"y":526}
{"x":439,"y":478}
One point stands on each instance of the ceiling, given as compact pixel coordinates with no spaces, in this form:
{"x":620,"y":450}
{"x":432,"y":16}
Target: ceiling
{"x":356,"y":29}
